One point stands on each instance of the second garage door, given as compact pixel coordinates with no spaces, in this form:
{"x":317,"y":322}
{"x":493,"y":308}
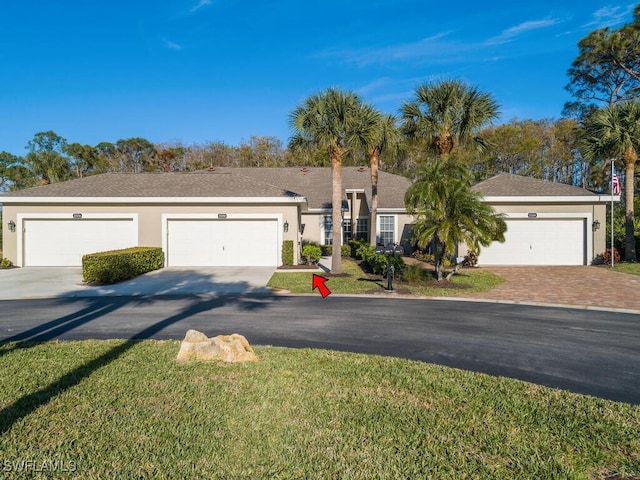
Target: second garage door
{"x":229,"y":242}
{"x":539,"y":242}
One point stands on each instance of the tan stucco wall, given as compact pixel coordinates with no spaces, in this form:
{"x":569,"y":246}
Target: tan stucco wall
{"x":149,"y":218}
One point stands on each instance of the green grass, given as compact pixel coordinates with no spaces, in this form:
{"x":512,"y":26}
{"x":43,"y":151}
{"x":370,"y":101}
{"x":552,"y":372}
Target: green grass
{"x":632,"y":268}
{"x":113,"y":409}
{"x":356,"y":281}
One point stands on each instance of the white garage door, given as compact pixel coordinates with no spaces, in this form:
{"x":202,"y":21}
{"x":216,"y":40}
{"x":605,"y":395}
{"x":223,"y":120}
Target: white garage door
{"x":62,"y":243}
{"x":229,"y":242}
{"x":539,"y":242}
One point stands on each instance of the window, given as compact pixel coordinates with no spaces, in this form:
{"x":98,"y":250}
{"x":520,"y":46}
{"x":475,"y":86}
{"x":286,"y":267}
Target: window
{"x":362,"y":229}
{"x":327,"y":225}
{"x":346,"y":230}
{"x":387,"y":229}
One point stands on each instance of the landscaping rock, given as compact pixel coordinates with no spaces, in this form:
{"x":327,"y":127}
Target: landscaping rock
{"x":228,"y":348}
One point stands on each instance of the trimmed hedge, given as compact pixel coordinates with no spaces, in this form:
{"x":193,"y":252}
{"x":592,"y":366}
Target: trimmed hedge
{"x":287,"y":252}
{"x":118,"y":265}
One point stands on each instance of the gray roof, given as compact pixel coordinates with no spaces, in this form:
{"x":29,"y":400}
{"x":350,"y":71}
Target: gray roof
{"x":312,"y":183}
{"x":509,"y":185}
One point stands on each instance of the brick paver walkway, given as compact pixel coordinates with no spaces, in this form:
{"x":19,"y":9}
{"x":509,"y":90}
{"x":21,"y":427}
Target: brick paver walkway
{"x":579,"y":286}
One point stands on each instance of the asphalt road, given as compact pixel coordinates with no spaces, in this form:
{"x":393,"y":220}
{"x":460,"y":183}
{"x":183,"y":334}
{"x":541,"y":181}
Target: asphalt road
{"x":591,"y":352}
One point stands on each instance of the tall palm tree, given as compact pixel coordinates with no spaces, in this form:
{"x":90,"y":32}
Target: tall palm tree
{"x":614,"y":132}
{"x":449,"y":213}
{"x":330,"y":121}
{"x":385,"y":138}
{"x":447,"y":115}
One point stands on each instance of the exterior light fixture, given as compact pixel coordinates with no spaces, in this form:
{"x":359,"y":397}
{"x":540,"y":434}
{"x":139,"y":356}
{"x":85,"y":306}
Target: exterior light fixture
{"x":12,"y":226}
{"x":286,"y":226}
{"x":595,"y":225}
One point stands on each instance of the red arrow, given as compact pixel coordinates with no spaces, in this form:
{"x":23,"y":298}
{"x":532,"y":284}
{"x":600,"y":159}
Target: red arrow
{"x":318,"y":282}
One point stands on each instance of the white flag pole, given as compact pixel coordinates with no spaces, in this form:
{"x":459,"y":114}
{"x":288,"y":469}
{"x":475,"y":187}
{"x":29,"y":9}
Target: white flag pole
{"x":612,"y":174}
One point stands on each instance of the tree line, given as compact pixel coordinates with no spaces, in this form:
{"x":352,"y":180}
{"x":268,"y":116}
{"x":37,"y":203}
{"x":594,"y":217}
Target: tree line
{"x":444,"y":121}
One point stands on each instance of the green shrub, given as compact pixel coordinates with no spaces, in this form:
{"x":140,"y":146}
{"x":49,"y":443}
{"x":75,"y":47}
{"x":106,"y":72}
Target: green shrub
{"x":327,"y":250}
{"x":118,"y":265}
{"x":355,"y":246}
{"x":378,"y":263}
{"x":287,"y":252}
{"x":311,"y":253}
{"x":5,"y":263}
{"x":415,"y":274}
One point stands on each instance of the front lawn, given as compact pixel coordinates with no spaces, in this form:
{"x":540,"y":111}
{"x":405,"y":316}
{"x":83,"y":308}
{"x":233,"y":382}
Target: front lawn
{"x":626,"y":267}
{"x":116,"y":409}
{"x":355,"y":281}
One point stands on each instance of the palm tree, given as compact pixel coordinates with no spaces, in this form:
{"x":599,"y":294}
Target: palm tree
{"x":330,"y":121}
{"x":449,"y":213}
{"x":379,"y":134}
{"x":614,"y":132}
{"x":448,"y":115}
{"x":386,"y":138}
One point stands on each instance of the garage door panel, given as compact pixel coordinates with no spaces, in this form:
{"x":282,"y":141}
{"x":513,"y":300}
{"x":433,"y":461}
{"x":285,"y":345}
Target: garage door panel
{"x":538,"y":242}
{"x":229,"y":242}
{"x":63,"y":242}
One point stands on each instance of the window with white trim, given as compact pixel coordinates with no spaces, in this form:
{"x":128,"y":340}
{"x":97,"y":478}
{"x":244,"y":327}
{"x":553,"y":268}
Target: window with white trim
{"x":362,"y":229}
{"x":327,"y":224}
{"x":387,"y":230}
{"x":346,"y":230}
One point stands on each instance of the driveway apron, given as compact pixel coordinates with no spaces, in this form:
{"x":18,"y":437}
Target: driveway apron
{"x":581,"y":286}
{"x":40,"y":282}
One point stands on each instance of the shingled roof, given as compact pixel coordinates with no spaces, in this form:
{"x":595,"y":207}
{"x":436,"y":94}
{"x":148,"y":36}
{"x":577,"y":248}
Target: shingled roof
{"x":509,"y":185}
{"x":313,"y":183}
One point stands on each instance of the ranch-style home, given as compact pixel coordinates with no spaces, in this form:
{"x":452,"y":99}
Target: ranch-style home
{"x":242,"y":216}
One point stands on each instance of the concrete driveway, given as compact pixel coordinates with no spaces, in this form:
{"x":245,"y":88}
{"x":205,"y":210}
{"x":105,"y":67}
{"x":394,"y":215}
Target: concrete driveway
{"x":42,"y":282}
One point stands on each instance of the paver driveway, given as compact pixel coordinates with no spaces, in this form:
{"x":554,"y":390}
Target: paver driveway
{"x":586,"y":286}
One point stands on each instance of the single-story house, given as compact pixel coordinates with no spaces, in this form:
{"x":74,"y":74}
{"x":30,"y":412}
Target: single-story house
{"x":242,"y":216}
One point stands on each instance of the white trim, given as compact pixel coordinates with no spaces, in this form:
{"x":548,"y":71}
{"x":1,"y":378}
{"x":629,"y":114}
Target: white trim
{"x":392,"y":210}
{"x":214,"y":216}
{"x":567,"y":216}
{"x":154,"y":200}
{"x":21,"y":217}
{"x":553,"y":199}
{"x":395,"y":226}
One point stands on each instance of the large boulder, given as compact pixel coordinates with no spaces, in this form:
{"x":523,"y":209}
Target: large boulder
{"x":228,"y":348}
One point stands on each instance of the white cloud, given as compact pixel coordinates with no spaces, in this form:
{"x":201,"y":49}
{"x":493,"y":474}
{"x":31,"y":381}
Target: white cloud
{"x":200,"y":4}
{"x":510,"y":33}
{"x":427,"y":47}
{"x":610,"y":16}
{"x":172,"y":45}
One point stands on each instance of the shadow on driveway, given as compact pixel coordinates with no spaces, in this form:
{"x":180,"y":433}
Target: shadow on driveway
{"x":50,"y":282}
{"x":93,"y":309}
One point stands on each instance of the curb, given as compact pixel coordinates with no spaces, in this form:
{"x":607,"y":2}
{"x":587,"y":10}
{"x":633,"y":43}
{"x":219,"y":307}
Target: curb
{"x":398,"y":296}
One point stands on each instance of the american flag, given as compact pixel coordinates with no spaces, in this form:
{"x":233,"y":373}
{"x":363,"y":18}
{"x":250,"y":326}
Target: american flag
{"x":615,"y":184}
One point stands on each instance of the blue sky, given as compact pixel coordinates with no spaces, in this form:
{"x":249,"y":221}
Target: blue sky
{"x":224,"y":70}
